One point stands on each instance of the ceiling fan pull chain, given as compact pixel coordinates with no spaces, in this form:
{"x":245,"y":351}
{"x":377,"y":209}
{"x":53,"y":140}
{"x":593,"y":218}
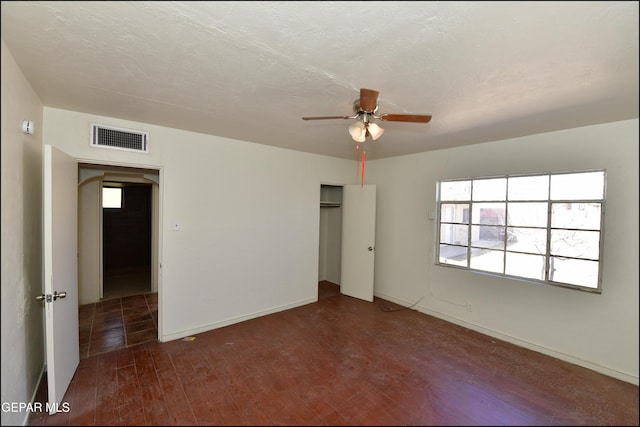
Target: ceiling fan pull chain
{"x":357,"y":159}
{"x":364,"y":156}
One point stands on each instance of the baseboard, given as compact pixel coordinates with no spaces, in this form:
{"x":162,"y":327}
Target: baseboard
{"x":43,"y":372}
{"x":231,"y":321}
{"x":517,"y":341}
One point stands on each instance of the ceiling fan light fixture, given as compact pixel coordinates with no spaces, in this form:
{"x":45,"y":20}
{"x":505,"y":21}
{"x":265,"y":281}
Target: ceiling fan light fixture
{"x":375,"y":131}
{"x":358,"y":131}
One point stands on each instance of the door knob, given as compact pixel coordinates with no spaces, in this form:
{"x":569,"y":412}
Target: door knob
{"x":49,"y":297}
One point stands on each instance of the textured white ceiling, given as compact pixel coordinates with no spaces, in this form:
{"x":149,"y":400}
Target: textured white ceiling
{"x":250,"y":70}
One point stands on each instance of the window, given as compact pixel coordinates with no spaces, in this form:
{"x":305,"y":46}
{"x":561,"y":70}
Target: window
{"x":542,"y":228}
{"x":111,"y":197}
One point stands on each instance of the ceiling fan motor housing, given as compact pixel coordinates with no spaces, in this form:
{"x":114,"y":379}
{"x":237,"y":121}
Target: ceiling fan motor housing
{"x":358,"y":110}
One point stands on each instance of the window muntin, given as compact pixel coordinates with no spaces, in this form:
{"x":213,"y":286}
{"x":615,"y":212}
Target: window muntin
{"x":545,"y":228}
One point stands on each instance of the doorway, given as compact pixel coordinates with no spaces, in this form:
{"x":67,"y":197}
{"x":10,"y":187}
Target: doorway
{"x":118,"y":231}
{"x":118,"y":257}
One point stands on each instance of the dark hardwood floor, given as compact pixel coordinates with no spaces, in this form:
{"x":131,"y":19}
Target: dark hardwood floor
{"x":339,"y":361}
{"x":117,"y":323}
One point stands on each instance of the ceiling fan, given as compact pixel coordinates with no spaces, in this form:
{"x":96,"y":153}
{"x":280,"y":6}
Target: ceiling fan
{"x":365,"y":109}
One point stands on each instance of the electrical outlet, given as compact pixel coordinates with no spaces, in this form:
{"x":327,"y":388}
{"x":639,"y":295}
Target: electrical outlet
{"x":469,"y":307}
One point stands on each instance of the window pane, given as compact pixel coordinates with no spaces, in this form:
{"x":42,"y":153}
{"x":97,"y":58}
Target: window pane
{"x":532,"y":240}
{"x":524,"y":265}
{"x":528,"y":214}
{"x":488,"y":213}
{"x":487,"y":236}
{"x":575,"y":244}
{"x":529,"y":188}
{"x":487,"y":260}
{"x":458,"y":212}
{"x":490,"y":189}
{"x":455,"y":234}
{"x":585,"y":216}
{"x":455,"y":255}
{"x":111,"y":197}
{"x":455,"y":190}
{"x":576,"y":186}
{"x":574,"y":271}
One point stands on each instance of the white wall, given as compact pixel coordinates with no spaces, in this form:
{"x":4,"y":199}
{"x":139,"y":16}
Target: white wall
{"x":248,"y":213}
{"x":22,"y":316}
{"x":89,"y":253}
{"x":596,"y":331}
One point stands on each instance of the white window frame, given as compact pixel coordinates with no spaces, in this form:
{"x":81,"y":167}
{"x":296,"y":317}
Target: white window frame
{"x":463,"y":227}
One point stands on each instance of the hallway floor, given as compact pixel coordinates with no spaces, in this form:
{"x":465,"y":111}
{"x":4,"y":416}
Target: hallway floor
{"x":118,"y":323}
{"x":128,"y":282}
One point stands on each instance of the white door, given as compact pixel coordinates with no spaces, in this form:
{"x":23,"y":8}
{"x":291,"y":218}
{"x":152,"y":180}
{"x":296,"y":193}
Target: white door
{"x":60,"y":194}
{"x":358,"y":241}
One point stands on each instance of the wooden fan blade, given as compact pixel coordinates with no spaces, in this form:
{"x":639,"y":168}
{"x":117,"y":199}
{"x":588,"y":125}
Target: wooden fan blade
{"x":368,"y":100}
{"x":326,"y":117}
{"x":413,"y":118}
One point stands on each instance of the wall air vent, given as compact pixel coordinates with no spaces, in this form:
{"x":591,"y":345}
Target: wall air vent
{"x":119,"y":139}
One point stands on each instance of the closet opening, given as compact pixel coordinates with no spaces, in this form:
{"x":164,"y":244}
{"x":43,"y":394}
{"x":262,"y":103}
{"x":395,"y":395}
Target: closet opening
{"x":330,"y":241}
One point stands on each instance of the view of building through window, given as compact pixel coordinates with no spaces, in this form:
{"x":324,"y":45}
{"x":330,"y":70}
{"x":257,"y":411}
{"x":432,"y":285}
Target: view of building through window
{"x":546,"y":228}
{"x":111,"y":197}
